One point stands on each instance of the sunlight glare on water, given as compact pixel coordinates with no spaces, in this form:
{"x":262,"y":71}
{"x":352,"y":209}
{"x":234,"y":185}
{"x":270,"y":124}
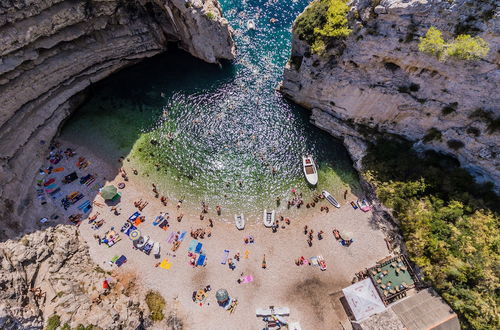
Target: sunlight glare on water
{"x":207,"y":133}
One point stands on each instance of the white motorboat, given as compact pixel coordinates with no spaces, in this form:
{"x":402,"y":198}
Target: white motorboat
{"x":239,"y":221}
{"x":285,"y":311}
{"x":310,"y":170}
{"x":331,"y":199}
{"x":251,"y":24}
{"x":269,"y":218}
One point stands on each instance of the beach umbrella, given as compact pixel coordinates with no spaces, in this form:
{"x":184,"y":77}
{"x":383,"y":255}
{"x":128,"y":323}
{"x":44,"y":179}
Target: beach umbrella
{"x":109,"y":192}
{"x":221,"y":295}
{"x":134,"y":235}
{"x":347,"y":236}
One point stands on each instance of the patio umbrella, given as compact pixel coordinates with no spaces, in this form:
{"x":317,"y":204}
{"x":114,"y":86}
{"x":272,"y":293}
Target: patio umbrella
{"x":347,"y":236}
{"x":221,"y":295}
{"x":108,"y":192}
{"x":134,"y":235}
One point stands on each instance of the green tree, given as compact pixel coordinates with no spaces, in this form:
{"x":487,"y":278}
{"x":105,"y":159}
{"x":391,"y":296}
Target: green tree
{"x":466,"y":47}
{"x":323,"y":20}
{"x":449,"y":223}
{"x":432,"y":43}
{"x":336,"y":21}
{"x":463,"y":47}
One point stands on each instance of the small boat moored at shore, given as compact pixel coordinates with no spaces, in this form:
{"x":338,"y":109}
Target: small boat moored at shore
{"x":331,"y":199}
{"x":310,"y":170}
{"x":269,"y":218}
{"x":239,"y":221}
{"x":363,"y":205}
{"x":251,"y":24}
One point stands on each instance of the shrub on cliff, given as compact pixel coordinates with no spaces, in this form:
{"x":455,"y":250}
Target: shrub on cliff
{"x":449,"y":222}
{"x":433,"y":43}
{"x":466,"y":47}
{"x":156,"y":305}
{"x":322,"y":21}
{"x":463,"y":47}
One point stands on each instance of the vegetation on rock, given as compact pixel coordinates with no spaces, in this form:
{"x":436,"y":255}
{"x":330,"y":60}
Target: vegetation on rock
{"x":322,"y":21}
{"x":463,"y":47}
{"x":53,"y":322}
{"x":156,"y":305}
{"x":449,"y":222}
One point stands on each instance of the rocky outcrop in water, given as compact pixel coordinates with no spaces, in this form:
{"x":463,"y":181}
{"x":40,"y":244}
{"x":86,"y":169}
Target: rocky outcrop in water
{"x":50,"y":273}
{"x":52,"y":50}
{"x":378,"y":81}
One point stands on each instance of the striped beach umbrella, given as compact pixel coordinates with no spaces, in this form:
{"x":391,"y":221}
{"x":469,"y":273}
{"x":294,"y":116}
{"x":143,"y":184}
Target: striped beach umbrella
{"x":134,"y":235}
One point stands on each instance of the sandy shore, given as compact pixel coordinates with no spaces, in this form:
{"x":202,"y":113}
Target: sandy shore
{"x":306,"y":290}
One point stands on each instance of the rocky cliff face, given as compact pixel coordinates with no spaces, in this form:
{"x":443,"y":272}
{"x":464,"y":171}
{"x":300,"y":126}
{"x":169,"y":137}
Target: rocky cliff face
{"x":50,"y":273}
{"x":52,"y":50}
{"x":378,"y":79}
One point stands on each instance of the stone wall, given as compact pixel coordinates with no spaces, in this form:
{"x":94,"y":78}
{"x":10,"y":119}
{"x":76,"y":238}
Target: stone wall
{"x":52,"y":50}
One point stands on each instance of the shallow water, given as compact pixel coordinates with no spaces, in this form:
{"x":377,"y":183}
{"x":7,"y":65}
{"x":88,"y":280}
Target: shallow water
{"x":202,"y":132}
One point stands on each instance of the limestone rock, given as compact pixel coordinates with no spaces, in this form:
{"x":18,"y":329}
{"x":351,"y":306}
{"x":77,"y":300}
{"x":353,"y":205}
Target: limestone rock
{"x":52,"y":50}
{"x":378,"y":80}
{"x":70,"y":281}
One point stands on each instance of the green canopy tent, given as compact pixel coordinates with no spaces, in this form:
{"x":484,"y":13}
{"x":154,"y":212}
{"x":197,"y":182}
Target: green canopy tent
{"x":109,"y":192}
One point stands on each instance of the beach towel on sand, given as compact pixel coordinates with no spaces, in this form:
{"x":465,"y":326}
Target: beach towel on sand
{"x":134,"y":216}
{"x":192,"y":245}
{"x":198,"y":248}
{"x":247,"y":279}
{"x":49,"y":182}
{"x":171,"y":237}
{"x":224,"y":258}
{"x":165,"y":264}
{"x":121,"y":261}
{"x":201,"y":260}
{"x":182,"y":235}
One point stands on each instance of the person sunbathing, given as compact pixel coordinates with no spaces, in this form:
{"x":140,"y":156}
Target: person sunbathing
{"x":93,"y":217}
{"x":218,"y":209}
{"x":336,"y":234}
{"x":210,"y":223}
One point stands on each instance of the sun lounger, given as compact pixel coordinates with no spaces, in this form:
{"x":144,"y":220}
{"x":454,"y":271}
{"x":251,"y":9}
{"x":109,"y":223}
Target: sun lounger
{"x":121,"y":261}
{"x":201,"y":260}
{"x":198,"y":248}
{"x":224,"y":257}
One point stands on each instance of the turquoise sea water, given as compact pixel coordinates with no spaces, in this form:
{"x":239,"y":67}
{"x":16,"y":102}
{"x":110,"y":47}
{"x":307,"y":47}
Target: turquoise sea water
{"x":198,"y":130}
